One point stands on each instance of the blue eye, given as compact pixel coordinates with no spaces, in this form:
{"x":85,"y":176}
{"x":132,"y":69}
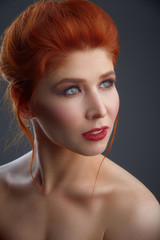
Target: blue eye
{"x":71,"y":91}
{"x":107,"y":83}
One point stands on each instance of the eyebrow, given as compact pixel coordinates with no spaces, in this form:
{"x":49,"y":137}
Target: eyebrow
{"x":80,"y":80}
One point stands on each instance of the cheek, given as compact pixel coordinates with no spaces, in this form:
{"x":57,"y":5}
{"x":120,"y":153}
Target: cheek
{"x":65,"y":116}
{"x":114,"y":105}
{"x":59,"y":115}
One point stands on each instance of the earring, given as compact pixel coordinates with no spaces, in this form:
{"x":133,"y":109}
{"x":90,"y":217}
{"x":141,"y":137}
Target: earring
{"x":29,"y":125}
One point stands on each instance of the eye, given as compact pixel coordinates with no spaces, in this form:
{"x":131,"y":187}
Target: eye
{"x":71,"y":91}
{"x":107,"y":83}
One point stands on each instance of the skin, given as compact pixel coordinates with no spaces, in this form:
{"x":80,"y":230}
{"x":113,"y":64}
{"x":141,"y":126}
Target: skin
{"x":65,"y":164}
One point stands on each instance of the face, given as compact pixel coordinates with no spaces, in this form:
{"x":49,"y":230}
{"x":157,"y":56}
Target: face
{"x":81,"y":96}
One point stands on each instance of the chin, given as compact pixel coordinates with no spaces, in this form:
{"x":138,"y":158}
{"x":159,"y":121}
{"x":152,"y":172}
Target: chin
{"x":92,"y":151}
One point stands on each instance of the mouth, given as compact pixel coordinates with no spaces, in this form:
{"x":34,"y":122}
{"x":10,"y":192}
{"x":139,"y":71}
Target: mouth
{"x":96,"y":134}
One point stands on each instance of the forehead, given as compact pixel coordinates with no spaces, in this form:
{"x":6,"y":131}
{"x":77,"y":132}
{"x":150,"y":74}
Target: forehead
{"x":83,"y":64}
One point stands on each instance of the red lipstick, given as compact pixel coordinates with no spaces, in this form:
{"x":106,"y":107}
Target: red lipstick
{"x":96,"y":134}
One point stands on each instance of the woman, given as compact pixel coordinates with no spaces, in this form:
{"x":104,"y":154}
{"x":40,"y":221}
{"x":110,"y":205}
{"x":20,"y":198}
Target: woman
{"x":59,"y":59}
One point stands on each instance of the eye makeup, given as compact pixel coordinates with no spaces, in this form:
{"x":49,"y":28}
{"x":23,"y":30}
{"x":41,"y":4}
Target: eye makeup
{"x":70,"y":87}
{"x":107,"y":83}
{"x":75,"y":89}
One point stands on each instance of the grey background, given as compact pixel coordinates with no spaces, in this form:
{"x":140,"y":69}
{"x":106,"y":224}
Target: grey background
{"x":137,"y":144}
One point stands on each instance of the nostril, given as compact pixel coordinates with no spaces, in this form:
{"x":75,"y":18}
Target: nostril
{"x":98,"y":116}
{"x":92,"y":114}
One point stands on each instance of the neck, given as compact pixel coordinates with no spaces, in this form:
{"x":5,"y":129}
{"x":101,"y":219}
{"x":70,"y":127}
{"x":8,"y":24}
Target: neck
{"x":61,"y":169}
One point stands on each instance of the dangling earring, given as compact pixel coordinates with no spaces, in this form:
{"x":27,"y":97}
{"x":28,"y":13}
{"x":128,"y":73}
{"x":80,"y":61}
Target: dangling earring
{"x":29,"y":125}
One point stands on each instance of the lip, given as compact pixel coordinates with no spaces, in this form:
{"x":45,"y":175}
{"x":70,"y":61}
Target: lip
{"x":98,"y":136}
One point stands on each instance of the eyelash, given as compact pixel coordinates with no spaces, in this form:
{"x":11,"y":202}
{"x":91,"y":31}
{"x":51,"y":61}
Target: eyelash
{"x":111,"y":82}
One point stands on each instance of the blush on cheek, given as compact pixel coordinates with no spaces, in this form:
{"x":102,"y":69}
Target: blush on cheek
{"x":114,"y":106}
{"x":62,"y":116}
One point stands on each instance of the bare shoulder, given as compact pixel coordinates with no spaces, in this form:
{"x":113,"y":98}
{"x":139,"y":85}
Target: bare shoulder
{"x":134,"y":211}
{"x":123,"y":181}
{"x":16,"y":165}
{"x":14,"y":173}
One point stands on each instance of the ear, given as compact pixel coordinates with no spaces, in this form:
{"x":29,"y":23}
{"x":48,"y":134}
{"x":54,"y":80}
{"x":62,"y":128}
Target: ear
{"x":25,"y":109}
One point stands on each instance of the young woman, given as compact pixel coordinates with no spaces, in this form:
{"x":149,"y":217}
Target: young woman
{"x":59,"y":59}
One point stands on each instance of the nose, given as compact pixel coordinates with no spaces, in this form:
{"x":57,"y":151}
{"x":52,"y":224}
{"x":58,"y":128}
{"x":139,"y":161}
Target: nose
{"x":95,"y":107}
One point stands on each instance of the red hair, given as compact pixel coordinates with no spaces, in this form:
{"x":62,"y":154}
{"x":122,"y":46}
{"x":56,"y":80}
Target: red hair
{"x":51,"y":30}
